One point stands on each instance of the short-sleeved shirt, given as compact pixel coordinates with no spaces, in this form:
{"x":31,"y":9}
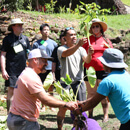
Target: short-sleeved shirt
{"x":117,"y":87}
{"x":24,"y":102}
{"x":16,"y":53}
{"x":99,"y":47}
{"x":48,"y":45}
{"x":56,"y":60}
{"x":73,"y":64}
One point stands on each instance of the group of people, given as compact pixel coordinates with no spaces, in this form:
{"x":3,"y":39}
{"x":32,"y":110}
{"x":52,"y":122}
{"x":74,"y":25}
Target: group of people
{"x":25,"y":83}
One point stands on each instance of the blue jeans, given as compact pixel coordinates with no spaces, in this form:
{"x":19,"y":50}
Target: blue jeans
{"x":16,"y":122}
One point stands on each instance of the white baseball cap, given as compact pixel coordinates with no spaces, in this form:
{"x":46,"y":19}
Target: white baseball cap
{"x":38,"y":53}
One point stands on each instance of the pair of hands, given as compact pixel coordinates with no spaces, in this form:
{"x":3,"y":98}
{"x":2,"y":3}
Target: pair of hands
{"x":76,"y":107}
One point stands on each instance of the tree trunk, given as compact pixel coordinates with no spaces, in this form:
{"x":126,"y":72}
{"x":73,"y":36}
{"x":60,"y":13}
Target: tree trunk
{"x":120,"y":6}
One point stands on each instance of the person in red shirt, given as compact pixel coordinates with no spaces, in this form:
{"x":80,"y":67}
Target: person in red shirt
{"x":99,"y":43}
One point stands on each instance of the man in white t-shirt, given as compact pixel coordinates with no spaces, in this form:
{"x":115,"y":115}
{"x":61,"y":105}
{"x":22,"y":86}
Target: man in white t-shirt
{"x":71,"y":57}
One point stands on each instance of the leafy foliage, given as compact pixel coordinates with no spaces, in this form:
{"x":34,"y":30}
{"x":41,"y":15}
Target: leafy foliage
{"x":90,"y":11}
{"x":67,"y":80}
{"x":2,"y":122}
{"x":67,"y":94}
{"x":91,"y":74}
{"x":3,"y":104}
{"x":48,"y":81}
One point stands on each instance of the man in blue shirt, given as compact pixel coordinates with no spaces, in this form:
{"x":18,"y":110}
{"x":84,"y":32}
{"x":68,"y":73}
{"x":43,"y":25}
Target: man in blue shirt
{"x":48,"y":45}
{"x":116,"y":86}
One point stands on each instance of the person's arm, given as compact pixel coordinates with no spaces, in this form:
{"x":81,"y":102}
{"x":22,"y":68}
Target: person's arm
{"x":3,"y":66}
{"x":72,"y":49}
{"x":89,"y":104}
{"x":88,"y":58}
{"x":53,"y":102}
{"x":53,"y":69}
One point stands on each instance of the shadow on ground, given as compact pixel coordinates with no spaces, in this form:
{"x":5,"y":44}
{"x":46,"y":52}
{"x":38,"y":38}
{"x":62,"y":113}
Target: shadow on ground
{"x":100,"y":117}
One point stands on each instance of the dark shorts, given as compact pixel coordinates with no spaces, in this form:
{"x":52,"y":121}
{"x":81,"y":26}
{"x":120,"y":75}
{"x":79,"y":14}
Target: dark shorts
{"x":44,"y":75}
{"x":125,"y":126}
{"x":11,"y":82}
{"x":16,"y":122}
{"x":99,"y":74}
{"x":82,"y":90}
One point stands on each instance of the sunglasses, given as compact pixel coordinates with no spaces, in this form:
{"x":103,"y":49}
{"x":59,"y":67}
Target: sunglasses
{"x":97,"y":26}
{"x":68,"y":28}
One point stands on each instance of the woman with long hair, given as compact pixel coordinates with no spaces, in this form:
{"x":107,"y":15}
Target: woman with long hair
{"x":99,"y":43}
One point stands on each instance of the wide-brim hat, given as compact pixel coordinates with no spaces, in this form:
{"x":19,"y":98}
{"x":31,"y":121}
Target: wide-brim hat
{"x":39,"y":53}
{"x":103,"y":24}
{"x":13,"y":22}
{"x":113,"y":58}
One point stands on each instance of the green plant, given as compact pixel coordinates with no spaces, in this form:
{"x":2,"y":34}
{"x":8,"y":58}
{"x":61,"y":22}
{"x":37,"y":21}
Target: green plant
{"x":29,"y":6}
{"x":90,"y":11}
{"x":76,"y":10}
{"x":62,"y":9}
{"x":3,"y":104}
{"x":65,"y":94}
{"x":50,"y":7}
{"x":2,"y":122}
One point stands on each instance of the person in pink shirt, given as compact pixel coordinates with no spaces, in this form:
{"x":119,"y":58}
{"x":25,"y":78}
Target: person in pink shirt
{"x":99,"y":43}
{"x":29,"y":93}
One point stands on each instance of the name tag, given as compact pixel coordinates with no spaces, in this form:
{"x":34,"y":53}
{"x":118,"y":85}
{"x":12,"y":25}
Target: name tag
{"x":18,"y":48}
{"x":45,"y":44}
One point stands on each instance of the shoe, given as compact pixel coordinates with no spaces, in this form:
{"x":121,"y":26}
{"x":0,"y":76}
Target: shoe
{"x":105,"y":119}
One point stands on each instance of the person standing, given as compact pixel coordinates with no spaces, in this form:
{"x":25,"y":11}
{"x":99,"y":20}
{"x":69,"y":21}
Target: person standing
{"x":13,"y":56}
{"x":71,"y":57}
{"x":29,"y":93}
{"x":99,"y":43}
{"x":116,"y":86}
{"x":48,"y":45}
{"x":56,"y":64}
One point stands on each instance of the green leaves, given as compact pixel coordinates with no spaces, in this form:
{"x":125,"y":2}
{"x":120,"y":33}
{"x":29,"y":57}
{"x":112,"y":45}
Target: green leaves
{"x":67,"y":80}
{"x":48,"y":81}
{"x":91,"y":74}
{"x":65,"y":94}
{"x":90,"y":11}
{"x":3,"y":119}
{"x":2,"y":122}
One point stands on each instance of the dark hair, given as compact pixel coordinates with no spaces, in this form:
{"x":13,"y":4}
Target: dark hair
{"x":67,"y":29}
{"x":44,"y":25}
{"x":62,"y":34}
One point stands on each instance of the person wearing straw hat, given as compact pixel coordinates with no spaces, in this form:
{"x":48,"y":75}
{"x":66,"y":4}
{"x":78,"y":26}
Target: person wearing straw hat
{"x":116,"y":86}
{"x":99,"y":43}
{"x":13,"y":56}
{"x":29,"y":93}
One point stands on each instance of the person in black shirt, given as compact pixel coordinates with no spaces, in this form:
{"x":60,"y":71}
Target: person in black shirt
{"x":56,"y":63}
{"x":13,"y":56}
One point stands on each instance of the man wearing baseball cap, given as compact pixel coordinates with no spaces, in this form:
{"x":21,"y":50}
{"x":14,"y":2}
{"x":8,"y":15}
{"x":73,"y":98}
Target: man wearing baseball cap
{"x":29,"y":93}
{"x":116,"y":86}
{"x":13,"y":56}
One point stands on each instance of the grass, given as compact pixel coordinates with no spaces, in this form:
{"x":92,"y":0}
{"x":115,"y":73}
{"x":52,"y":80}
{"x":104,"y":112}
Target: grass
{"x":116,"y":22}
{"x":127,"y":2}
{"x":47,"y":119}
